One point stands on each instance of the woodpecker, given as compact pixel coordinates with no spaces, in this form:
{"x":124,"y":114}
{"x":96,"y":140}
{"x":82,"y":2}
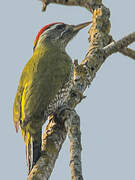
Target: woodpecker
{"x":44,"y":85}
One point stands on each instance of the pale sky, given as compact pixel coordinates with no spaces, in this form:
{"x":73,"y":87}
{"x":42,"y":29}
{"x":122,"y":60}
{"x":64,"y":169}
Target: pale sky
{"x":107,"y":114}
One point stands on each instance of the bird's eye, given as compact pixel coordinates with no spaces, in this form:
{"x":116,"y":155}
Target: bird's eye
{"x":60,"y":27}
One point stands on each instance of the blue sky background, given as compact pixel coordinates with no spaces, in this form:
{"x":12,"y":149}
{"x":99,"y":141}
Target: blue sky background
{"x":107,"y":114}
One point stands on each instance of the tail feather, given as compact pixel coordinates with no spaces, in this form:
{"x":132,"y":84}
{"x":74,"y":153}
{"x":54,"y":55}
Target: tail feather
{"x":33,"y":152}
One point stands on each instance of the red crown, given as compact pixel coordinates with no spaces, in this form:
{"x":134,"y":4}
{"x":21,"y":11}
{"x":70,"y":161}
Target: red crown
{"x":42,"y":30}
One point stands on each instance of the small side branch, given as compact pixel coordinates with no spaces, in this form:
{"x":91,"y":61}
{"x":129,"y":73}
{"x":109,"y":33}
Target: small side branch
{"x":119,"y":45}
{"x":73,"y":130}
{"x":128,"y":52}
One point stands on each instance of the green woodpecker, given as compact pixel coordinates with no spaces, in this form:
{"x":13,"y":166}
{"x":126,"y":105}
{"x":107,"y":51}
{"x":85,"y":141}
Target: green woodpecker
{"x":44,"y":85}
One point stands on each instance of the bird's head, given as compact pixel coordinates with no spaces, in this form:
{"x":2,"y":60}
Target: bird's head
{"x":57,"y":34}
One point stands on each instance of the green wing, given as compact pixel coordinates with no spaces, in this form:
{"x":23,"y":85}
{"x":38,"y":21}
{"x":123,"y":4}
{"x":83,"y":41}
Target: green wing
{"x":42,"y":77}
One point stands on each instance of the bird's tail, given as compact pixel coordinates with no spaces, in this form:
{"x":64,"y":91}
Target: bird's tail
{"x":33,"y":150}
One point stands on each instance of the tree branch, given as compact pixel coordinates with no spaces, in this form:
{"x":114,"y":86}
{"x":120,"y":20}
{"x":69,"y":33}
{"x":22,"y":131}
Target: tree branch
{"x":128,"y":52}
{"x":119,"y":45}
{"x":89,"y":4}
{"x":73,"y":129}
{"x":53,"y":138}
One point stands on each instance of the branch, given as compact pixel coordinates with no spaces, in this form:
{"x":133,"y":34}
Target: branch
{"x":89,"y":4}
{"x":53,"y":138}
{"x":128,"y":52}
{"x":119,"y":45}
{"x":73,"y":129}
